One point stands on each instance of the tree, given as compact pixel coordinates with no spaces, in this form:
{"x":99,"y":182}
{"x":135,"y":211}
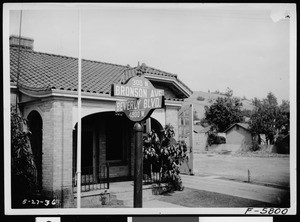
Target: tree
{"x":224,"y":112}
{"x":285,"y":106}
{"x":283,"y":122}
{"x":270,"y":119}
{"x":228,"y":92}
{"x":271,"y":99}
{"x":263,"y":121}
{"x":256,"y":102}
{"x":164,"y":156}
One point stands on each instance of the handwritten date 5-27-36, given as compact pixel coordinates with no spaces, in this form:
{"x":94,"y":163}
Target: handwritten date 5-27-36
{"x":39,"y":202}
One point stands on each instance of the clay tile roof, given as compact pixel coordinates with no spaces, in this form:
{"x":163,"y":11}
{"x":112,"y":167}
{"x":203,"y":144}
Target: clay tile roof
{"x":43,"y":71}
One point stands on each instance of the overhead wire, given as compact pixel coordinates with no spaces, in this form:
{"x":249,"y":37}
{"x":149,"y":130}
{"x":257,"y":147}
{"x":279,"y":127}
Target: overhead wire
{"x":18,"y":63}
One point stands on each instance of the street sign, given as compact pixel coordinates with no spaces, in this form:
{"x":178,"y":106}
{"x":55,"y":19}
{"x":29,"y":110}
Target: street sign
{"x":139,"y":109}
{"x":144,"y":98}
{"x":136,"y":87}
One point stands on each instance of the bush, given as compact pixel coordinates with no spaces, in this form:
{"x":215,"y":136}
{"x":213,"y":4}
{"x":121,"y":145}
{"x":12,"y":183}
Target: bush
{"x":164,"y":156}
{"x":255,"y":147}
{"x":283,"y":144}
{"x":200,"y":98}
{"x":213,"y":138}
{"x":22,"y":163}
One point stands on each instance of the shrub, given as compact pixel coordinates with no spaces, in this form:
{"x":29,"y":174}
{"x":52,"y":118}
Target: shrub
{"x":283,"y":144}
{"x":213,"y":138}
{"x":255,"y":147}
{"x":200,"y":98}
{"x":165,"y":156}
{"x":22,"y":163}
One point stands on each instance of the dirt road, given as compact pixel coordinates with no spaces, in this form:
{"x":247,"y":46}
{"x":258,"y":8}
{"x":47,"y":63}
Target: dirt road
{"x":267,"y":170}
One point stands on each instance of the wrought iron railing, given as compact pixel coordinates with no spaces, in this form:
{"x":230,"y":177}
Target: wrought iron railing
{"x":152,"y":176}
{"x":92,"y":178}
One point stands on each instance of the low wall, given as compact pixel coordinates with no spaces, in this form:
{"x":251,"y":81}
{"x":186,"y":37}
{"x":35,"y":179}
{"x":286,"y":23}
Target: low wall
{"x":226,"y":147}
{"x":238,"y":147}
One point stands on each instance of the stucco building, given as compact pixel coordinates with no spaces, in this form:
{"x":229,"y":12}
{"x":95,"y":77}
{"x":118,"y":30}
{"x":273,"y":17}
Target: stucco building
{"x":239,"y":134}
{"x":45,"y":87}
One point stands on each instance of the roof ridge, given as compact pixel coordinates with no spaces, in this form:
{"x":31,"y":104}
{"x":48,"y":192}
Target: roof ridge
{"x":107,"y":63}
{"x":71,"y":57}
{"x":51,"y":54}
{"x":90,"y":60}
{"x":175,"y":75}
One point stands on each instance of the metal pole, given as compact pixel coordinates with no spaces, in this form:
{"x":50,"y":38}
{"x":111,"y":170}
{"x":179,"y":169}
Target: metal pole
{"x":191,"y":122}
{"x":18,"y":73}
{"x":79,"y":117}
{"x":138,"y":163}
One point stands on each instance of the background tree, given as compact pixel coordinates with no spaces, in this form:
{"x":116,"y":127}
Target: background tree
{"x":224,"y":112}
{"x":271,"y":100}
{"x":228,"y":92}
{"x":284,"y":121}
{"x":256,"y":102}
{"x":270,"y":119}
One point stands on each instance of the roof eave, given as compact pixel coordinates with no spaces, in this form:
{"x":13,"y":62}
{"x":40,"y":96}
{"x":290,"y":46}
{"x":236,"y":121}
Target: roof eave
{"x":186,"y":91}
{"x":84,"y":95}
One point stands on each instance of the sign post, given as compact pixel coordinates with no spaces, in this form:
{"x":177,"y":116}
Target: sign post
{"x":143,"y":98}
{"x":138,"y":168}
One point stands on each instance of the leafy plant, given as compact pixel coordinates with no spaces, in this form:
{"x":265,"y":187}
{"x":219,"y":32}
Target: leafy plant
{"x":164,"y":156}
{"x":104,"y":198}
{"x":22,"y":162}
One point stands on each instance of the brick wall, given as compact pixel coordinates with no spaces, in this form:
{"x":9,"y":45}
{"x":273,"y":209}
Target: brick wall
{"x":57,"y":147}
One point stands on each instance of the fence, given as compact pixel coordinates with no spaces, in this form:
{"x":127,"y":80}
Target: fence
{"x":92,"y":178}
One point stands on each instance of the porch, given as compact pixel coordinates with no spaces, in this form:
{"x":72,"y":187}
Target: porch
{"x":120,"y":194}
{"x":99,"y":179}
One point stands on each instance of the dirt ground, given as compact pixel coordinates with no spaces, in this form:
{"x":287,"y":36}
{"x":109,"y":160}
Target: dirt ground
{"x":267,"y":170}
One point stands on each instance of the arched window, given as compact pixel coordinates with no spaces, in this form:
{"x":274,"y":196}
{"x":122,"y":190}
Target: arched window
{"x":35,"y":123}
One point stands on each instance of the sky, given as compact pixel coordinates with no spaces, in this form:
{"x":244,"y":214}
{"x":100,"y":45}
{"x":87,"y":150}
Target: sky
{"x":245,"y":47}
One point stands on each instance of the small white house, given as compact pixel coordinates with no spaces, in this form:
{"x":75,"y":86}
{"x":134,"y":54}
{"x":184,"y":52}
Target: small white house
{"x":239,"y":134}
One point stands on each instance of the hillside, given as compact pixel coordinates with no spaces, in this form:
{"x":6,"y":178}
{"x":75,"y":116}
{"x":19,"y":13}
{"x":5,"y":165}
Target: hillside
{"x":206,"y":99}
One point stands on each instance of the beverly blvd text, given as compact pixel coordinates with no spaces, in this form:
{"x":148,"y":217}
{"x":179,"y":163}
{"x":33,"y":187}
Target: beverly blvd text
{"x":139,"y":104}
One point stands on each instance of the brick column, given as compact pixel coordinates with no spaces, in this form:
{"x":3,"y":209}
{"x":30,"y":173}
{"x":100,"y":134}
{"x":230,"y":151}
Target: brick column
{"x":57,"y":150}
